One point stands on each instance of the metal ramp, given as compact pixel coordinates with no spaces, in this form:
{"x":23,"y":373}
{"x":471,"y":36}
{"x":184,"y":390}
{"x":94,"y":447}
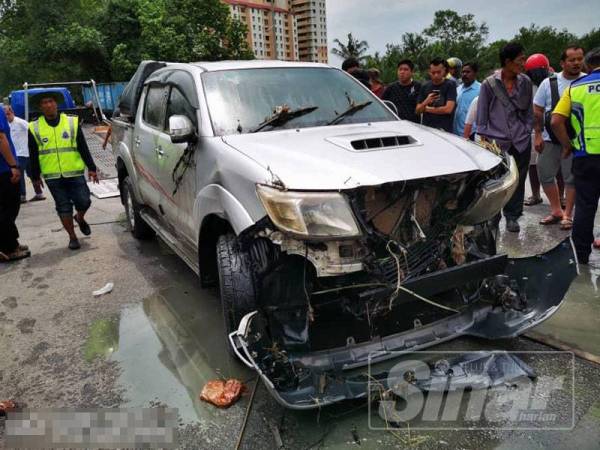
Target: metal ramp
{"x":105,"y":163}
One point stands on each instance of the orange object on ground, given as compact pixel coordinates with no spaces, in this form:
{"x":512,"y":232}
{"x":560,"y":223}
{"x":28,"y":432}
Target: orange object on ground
{"x":222,"y":393}
{"x":7,"y":406}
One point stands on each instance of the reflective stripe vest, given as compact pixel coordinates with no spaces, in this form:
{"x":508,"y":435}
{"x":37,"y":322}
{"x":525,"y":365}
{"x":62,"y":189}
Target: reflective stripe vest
{"x":585,"y":114}
{"x":57,"y":147}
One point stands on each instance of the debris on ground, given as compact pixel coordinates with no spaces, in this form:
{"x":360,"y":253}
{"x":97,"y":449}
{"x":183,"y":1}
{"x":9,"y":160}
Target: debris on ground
{"x":7,"y":406}
{"x":222,"y":393}
{"x":108,"y":287}
{"x":276,"y":433}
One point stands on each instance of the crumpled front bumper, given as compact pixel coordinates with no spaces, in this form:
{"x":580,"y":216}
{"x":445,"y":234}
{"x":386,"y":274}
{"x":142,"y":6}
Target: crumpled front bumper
{"x":329,"y":376}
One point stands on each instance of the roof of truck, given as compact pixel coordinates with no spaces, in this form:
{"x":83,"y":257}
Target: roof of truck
{"x":253,"y":64}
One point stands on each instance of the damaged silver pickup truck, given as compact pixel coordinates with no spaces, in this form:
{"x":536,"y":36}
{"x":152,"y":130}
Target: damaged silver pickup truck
{"x":335,"y":231}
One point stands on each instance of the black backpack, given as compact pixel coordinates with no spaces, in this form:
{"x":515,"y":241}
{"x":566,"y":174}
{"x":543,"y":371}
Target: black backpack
{"x":555,"y":97}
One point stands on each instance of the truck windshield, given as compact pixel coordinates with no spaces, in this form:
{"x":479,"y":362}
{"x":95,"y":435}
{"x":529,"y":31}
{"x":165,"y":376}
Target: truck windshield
{"x":241,"y":100}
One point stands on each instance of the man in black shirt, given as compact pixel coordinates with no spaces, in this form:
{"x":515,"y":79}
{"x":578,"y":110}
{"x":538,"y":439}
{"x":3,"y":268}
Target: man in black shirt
{"x":404,"y":92}
{"x":437,"y":98}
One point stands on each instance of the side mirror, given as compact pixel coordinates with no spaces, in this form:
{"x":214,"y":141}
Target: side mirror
{"x":391,"y":105}
{"x":181,"y":129}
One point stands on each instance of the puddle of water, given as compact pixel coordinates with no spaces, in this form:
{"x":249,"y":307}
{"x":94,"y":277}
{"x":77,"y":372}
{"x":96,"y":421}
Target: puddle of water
{"x":577,"y":322}
{"x":170,"y":346}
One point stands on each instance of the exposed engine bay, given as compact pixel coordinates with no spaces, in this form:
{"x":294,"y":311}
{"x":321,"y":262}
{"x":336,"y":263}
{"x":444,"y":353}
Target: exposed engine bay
{"x":323,"y":306}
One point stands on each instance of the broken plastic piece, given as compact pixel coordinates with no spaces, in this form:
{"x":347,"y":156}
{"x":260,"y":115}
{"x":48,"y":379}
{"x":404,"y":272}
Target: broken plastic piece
{"x":222,"y":393}
{"x":104,"y":290}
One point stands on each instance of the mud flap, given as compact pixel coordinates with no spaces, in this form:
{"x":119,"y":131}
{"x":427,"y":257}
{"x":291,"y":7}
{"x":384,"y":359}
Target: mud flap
{"x":312,"y":380}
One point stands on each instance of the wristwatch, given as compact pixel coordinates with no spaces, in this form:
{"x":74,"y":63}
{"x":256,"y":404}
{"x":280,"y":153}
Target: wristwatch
{"x":14,"y":167}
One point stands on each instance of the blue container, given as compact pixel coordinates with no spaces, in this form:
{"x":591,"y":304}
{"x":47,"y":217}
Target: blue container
{"x":108,"y":93}
{"x":17,"y":99}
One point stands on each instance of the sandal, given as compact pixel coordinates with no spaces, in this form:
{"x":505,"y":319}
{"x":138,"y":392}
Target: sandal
{"x":531,"y":201}
{"x":550,"y":220}
{"x":566,"y":224}
{"x":14,"y":256}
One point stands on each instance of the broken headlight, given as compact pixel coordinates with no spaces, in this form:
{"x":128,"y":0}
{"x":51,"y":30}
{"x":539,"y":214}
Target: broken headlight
{"x":309,"y":214}
{"x":495,"y":193}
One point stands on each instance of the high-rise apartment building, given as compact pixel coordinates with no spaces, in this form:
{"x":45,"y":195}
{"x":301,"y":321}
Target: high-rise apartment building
{"x":290,"y":30}
{"x":311,"y":22}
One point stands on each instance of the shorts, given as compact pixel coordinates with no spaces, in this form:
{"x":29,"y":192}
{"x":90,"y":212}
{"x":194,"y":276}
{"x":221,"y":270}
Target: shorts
{"x":69,"y":193}
{"x":549,"y":163}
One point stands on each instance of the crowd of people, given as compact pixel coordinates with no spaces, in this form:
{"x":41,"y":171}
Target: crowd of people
{"x":526,"y":109}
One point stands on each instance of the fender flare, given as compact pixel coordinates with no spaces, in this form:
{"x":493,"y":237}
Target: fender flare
{"x":123,"y":155}
{"x":214,"y":199}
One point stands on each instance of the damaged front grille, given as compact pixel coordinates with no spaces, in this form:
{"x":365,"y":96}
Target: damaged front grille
{"x":412,"y":226}
{"x":413,"y":261}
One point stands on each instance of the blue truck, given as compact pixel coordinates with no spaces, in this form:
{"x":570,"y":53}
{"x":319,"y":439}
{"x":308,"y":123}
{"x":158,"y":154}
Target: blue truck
{"x":95,"y":99}
{"x":17,"y":99}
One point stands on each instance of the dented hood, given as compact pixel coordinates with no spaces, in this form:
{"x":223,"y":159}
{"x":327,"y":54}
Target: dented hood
{"x":324,"y":158}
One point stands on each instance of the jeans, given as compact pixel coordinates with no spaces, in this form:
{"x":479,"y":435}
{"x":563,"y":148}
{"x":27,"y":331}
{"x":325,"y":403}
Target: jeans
{"x":514,"y":208}
{"x":25,"y":169}
{"x":10,"y":204}
{"x":68,"y":193}
{"x":586,"y":172}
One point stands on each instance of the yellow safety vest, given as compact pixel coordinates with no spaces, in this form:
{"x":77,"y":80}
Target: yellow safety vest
{"x":585,"y":114}
{"x":57,"y":147}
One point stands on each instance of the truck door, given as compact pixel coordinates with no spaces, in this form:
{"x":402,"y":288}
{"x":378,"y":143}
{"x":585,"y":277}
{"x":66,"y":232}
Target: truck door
{"x":179,"y":186}
{"x":146,"y":142}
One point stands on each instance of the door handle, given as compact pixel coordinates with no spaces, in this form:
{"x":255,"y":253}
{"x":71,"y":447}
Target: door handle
{"x":137,"y":141}
{"x":159,"y":151}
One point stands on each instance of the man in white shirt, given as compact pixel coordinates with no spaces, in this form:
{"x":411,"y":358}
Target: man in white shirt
{"x":18,"y":134}
{"x":550,"y":159}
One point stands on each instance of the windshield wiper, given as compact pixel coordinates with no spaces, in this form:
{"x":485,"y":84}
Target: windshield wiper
{"x":283,"y":115}
{"x":354,"y":107}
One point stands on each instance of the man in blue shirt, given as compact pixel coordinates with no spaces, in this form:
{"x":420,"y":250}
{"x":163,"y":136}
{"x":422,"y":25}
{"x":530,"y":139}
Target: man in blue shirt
{"x":466,"y":92}
{"x":10,"y":198}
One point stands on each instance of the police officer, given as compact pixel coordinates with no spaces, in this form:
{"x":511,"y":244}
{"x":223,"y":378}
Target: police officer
{"x":579,"y":107}
{"x":58,"y":152}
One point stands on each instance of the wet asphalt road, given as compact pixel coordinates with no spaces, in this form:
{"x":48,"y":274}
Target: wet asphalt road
{"x":158,"y":337}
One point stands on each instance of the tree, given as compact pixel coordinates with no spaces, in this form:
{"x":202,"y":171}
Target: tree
{"x":352,"y":49}
{"x":457,"y":35}
{"x":64,"y":40}
{"x":590,"y":40}
{"x":547,"y":40}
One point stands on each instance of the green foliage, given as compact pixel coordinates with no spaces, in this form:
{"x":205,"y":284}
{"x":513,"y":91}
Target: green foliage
{"x":546,"y":40}
{"x":63,"y":40}
{"x":352,"y":49}
{"x":590,"y":40}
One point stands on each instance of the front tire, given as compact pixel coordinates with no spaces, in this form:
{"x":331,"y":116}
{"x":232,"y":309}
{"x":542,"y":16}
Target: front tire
{"x":138,"y":227}
{"x":238,"y":296}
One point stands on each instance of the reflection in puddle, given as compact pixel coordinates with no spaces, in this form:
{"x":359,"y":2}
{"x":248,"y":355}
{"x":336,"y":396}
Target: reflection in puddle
{"x":103,"y":338}
{"x":169,"y":347}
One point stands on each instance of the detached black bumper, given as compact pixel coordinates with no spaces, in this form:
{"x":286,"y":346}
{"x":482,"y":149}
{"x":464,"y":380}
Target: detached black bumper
{"x":329,"y":376}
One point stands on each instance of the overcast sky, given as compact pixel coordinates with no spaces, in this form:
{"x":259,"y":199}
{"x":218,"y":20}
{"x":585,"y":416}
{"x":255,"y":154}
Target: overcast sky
{"x":384,"y":21}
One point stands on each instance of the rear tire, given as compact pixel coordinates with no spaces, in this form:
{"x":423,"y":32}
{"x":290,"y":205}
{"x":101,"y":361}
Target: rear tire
{"x":138,"y":227}
{"x":238,"y":296}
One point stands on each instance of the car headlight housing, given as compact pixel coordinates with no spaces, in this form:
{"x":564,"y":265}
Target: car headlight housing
{"x":494,"y":195}
{"x":309,"y":214}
